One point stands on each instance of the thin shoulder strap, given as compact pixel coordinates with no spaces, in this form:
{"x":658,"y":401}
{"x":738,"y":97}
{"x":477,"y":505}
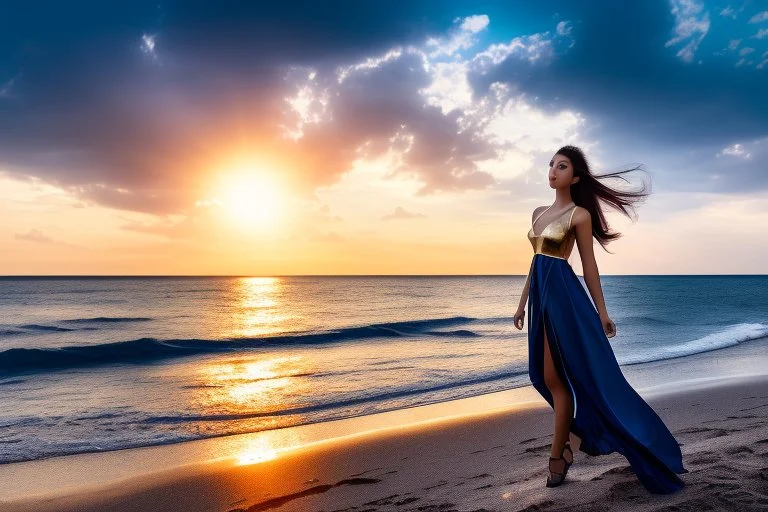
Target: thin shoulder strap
{"x":571,"y":216}
{"x":539,"y":215}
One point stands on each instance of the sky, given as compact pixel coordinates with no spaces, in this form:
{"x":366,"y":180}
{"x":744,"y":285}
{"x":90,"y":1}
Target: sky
{"x":377,"y":137}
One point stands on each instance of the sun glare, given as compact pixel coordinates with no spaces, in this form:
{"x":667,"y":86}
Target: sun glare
{"x":250,"y":199}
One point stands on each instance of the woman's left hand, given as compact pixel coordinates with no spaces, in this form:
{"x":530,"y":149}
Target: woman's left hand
{"x":608,"y":326}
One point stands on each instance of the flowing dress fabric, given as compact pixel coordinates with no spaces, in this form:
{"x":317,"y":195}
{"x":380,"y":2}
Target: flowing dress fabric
{"x":609,"y":415}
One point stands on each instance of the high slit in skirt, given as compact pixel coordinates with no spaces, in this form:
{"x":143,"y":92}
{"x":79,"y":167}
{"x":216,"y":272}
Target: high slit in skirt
{"x":608,"y":414}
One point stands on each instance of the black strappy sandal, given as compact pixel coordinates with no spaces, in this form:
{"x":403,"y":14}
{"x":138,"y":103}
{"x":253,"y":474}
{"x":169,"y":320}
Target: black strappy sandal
{"x":554,"y":482}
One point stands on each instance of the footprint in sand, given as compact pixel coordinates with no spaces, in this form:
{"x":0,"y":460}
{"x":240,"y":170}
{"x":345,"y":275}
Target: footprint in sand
{"x":439,"y":484}
{"x":738,"y":450}
{"x":709,"y":433}
{"x":538,"y":449}
{"x":706,"y":458}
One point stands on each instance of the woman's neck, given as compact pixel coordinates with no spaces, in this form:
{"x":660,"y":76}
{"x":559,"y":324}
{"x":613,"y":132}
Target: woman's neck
{"x":562,"y":198}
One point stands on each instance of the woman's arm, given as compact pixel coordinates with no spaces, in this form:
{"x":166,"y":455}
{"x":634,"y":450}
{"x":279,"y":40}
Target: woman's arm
{"x":583,"y":222}
{"x":519,"y":316}
{"x":526,"y":288}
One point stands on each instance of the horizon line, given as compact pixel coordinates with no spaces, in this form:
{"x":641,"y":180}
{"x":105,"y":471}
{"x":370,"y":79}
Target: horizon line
{"x":32,"y":276}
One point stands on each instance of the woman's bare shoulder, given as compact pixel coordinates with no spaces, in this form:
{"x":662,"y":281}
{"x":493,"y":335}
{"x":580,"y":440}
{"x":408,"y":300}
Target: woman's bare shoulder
{"x":537,"y":211}
{"x":581,"y":216}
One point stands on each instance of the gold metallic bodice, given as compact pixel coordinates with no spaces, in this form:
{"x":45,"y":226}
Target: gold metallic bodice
{"x":557,"y":237}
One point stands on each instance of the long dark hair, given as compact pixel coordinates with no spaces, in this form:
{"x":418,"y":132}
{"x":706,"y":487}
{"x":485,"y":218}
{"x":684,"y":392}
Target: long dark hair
{"x":589,"y":191}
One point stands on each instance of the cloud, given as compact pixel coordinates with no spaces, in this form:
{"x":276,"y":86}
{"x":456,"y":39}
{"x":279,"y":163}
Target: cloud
{"x":97,"y":117}
{"x":743,"y":52}
{"x":539,"y":47}
{"x":734,"y":150}
{"x":119,"y":132}
{"x":378,"y":111}
{"x":211,"y":222}
{"x":734,"y":170}
{"x":564,"y":28}
{"x":764,"y":62}
{"x":323,"y":214}
{"x":37,"y":236}
{"x":177,"y":229}
{"x":410,"y":106}
{"x":691,"y":25}
{"x":448,"y":109}
{"x":5,"y":88}
{"x":460,"y":39}
{"x":729,"y":12}
{"x":759,"y":17}
{"x":474,"y":24}
{"x":147,"y":45}
{"x":401,"y":213}
{"x":327,"y":237}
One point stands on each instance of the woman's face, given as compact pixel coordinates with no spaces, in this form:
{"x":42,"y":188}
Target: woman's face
{"x":561,"y":172}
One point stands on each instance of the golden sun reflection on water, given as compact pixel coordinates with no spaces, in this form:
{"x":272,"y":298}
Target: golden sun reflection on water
{"x":258,"y":388}
{"x":258,"y":308}
{"x":265,"y":384}
{"x":254,"y":394}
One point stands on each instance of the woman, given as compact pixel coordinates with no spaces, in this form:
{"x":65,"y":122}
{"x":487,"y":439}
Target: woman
{"x":571,"y":362}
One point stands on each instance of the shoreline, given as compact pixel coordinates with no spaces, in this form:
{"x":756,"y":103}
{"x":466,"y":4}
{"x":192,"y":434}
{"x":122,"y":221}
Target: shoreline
{"x":741,"y":359}
{"x":500,"y":453}
{"x":90,"y":478}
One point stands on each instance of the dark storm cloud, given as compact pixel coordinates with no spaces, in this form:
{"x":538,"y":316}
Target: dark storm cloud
{"x":87,"y":103}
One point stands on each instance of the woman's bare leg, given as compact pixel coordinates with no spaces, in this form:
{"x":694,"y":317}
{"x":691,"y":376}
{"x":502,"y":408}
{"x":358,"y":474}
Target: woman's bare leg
{"x":563,"y":402}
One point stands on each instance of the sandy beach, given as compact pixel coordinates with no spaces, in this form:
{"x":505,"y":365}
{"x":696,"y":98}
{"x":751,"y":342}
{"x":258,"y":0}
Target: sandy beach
{"x":483,"y":453}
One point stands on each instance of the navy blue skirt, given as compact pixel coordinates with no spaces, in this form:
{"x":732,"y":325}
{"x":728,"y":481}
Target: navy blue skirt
{"x":609,"y":415}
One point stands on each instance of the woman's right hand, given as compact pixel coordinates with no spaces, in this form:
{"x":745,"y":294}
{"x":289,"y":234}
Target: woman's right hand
{"x":608,"y":326}
{"x":519,"y":318}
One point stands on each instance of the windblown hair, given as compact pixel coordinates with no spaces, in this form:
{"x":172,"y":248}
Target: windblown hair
{"x":589,"y":192}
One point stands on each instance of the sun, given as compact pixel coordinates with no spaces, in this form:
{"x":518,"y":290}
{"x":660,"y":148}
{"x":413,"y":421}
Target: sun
{"x":251,"y":199}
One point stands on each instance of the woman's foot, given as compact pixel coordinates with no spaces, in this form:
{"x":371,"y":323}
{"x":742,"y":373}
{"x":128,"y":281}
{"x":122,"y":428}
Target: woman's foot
{"x":567,"y":448}
{"x":558,"y":466}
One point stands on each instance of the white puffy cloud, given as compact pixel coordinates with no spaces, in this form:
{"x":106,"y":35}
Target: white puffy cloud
{"x":736,"y":150}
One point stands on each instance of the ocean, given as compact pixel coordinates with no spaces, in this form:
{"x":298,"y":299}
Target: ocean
{"x":91,"y":364}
